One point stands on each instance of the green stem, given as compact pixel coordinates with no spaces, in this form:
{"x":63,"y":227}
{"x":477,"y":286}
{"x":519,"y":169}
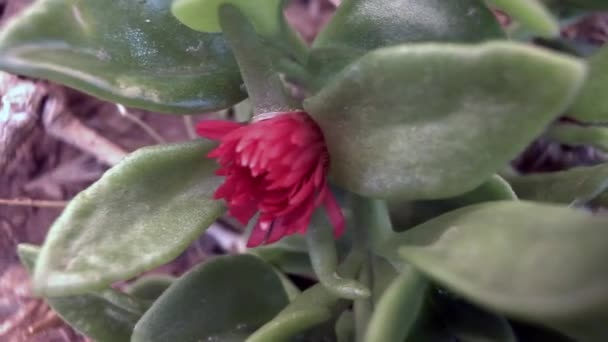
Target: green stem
{"x":324,"y":260}
{"x":263,"y":83}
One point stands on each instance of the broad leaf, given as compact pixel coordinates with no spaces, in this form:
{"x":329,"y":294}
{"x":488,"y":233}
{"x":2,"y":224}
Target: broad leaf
{"x":105,"y":316}
{"x":556,"y":278}
{"x":532,"y":14}
{"x":359,"y":26}
{"x":224,"y":299}
{"x":592,"y":104}
{"x":576,"y":186}
{"x":417,"y":121}
{"x":132,"y":52}
{"x":141,"y":214}
{"x":402,"y":300}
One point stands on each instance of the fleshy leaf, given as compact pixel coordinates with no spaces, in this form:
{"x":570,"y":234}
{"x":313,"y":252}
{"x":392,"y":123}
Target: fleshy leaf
{"x":150,"y":287}
{"x":131,"y":52}
{"x":592,"y":105}
{"x":224,"y":299}
{"x":407,"y":214}
{"x":403,"y":299}
{"x":265,"y":15}
{"x":532,"y":14}
{"x":417,"y":121}
{"x":557,"y":277}
{"x":359,"y":26}
{"x":105,"y":316}
{"x":141,"y":214}
{"x":324,"y":260}
{"x":203,"y":15}
{"x":577,"y":135}
{"x":576,"y":186}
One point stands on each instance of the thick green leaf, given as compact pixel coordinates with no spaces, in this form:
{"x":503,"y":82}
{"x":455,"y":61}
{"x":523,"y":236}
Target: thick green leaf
{"x":532,"y":14}
{"x":314,"y":306}
{"x":403,"y":299}
{"x":224,"y":299}
{"x":265,"y":15}
{"x":345,"y":327}
{"x":324,"y":260}
{"x":141,"y":214}
{"x":432,"y":139}
{"x":105,"y":316}
{"x":359,"y":26}
{"x":576,"y":186}
{"x":132,"y":52}
{"x":576,"y":135}
{"x":203,"y":15}
{"x":150,"y":287}
{"x":557,"y":277}
{"x":592,"y":104}
{"x":407,"y":214}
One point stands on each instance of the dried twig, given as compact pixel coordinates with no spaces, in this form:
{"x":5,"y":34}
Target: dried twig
{"x":189,"y":124}
{"x":63,"y":125}
{"x":28,"y":202}
{"x":141,"y":124}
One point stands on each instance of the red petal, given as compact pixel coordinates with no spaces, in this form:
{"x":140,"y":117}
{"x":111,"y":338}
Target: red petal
{"x":334,"y":212}
{"x":216,"y":129}
{"x":258,"y":235}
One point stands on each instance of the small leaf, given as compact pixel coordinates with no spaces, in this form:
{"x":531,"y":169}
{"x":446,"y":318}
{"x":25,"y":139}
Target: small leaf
{"x":105,"y":316}
{"x":224,"y":299}
{"x":403,"y":299}
{"x":557,"y":277}
{"x":203,"y":15}
{"x":576,"y":186}
{"x":576,"y":135}
{"x":431,"y":139}
{"x":132,"y":52}
{"x":532,"y":14}
{"x":265,"y":15}
{"x":359,"y":26}
{"x":314,"y":306}
{"x":407,"y":214}
{"x":324,"y":260}
{"x":150,"y":287}
{"x":141,"y":214}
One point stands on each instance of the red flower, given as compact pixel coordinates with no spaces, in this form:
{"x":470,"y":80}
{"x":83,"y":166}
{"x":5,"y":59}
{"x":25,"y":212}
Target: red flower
{"x":276,"y":166}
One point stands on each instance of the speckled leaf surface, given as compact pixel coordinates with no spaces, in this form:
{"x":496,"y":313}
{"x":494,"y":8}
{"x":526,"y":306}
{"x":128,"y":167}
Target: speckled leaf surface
{"x":557,"y":277}
{"x":141,"y":214}
{"x":224,"y":299}
{"x":359,"y":26}
{"x":131,"y":52}
{"x":435,"y":120}
{"x":104,"y":316}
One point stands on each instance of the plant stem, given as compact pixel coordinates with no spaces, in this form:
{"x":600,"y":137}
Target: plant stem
{"x":263,"y":83}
